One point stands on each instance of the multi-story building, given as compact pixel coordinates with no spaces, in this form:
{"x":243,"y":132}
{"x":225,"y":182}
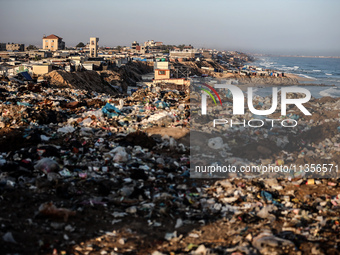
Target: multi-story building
{"x":152,"y":43}
{"x":136,"y":48}
{"x":134,"y":45}
{"x":185,"y":53}
{"x":161,"y":70}
{"x":53,"y":43}
{"x":94,"y":47}
{"x":15,"y":47}
{"x":158,"y":44}
{"x":2,"y":46}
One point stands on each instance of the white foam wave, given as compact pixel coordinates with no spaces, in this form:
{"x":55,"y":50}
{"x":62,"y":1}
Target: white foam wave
{"x":289,"y":68}
{"x":328,"y":74}
{"x":317,"y":71}
{"x":331,"y":92}
{"x":306,"y":76}
{"x":266,"y":64}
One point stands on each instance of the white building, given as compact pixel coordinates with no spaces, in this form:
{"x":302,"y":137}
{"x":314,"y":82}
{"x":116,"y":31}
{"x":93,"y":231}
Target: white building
{"x":94,"y":47}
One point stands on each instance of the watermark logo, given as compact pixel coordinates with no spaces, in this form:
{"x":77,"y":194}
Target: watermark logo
{"x":238,"y":99}
{"x":208,"y":92}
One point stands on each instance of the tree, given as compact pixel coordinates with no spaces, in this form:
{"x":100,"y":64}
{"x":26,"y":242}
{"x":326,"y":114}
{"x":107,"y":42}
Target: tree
{"x":80,"y":45}
{"x":119,"y":48}
{"x":31,"y":47}
{"x":181,"y":46}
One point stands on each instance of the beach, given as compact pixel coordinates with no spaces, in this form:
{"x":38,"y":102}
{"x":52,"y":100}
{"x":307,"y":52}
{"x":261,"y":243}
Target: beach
{"x":299,"y":78}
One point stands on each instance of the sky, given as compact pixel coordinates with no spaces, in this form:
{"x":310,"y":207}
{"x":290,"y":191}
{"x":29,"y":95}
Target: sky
{"x":292,"y":27}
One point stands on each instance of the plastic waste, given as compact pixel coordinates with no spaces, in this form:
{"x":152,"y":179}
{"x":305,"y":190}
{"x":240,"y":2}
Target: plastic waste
{"x":110,"y":110}
{"x":47,"y":165}
{"x":66,"y":129}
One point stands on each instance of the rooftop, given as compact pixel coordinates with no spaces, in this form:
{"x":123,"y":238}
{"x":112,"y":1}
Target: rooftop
{"x":52,"y":36}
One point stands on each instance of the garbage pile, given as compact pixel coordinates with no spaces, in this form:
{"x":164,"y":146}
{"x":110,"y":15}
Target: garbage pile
{"x":83,"y":172}
{"x":302,"y":143}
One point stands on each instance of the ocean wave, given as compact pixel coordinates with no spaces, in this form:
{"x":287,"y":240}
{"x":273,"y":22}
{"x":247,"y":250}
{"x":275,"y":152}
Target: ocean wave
{"x":331,"y":92}
{"x":289,"y":68}
{"x":328,"y":74}
{"x":266,"y":64}
{"x":317,"y":71}
{"x":286,"y":69}
{"x":306,"y":76}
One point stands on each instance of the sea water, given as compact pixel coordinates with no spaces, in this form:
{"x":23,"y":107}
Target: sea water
{"x":324,"y":71}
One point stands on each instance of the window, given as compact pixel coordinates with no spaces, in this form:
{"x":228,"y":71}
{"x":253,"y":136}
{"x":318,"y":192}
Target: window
{"x":46,"y":40}
{"x":52,"y":40}
{"x":161,"y":72}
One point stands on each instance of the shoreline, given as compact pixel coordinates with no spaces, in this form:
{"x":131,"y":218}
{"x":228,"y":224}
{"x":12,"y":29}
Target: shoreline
{"x":299,"y":78}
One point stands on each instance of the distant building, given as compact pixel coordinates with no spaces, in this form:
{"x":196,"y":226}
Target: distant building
{"x":134,"y":45}
{"x":162,"y":74}
{"x":39,"y":54}
{"x":15,"y":47}
{"x":53,"y":43}
{"x":94,"y":47}
{"x":185,"y":53}
{"x":152,"y":43}
{"x":2,"y":46}
{"x":41,"y":69}
{"x":161,"y":70}
{"x":149,"y":43}
{"x":207,"y":54}
{"x":136,"y":48}
{"x":140,"y":49}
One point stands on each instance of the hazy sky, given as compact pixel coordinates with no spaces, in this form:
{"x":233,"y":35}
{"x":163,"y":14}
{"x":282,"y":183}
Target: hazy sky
{"x":309,"y":27}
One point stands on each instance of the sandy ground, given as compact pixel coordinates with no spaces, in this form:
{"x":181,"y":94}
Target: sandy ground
{"x":176,"y":133}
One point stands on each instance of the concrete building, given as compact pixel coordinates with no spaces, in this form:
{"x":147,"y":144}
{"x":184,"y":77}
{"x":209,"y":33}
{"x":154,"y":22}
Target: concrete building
{"x":152,"y":43}
{"x":185,"y":53}
{"x":94,"y":47}
{"x":161,"y":65}
{"x":39,"y":54}
{"x":53,"y":43}
{"x":136,"y":48}
{"x":134,"y":45}
{"x":41,"y":69}
{"x":140,"y":49}
{"x":161,"y":74}
{"x":207,"y":54}
{"x":15,"y":47}
{"x":162,"y":70}
{"x":2,"y":46}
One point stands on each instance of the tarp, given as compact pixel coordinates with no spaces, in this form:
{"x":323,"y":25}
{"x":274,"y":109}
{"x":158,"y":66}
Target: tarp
{"x":26,"y":75}
{"x":110,"y":110}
